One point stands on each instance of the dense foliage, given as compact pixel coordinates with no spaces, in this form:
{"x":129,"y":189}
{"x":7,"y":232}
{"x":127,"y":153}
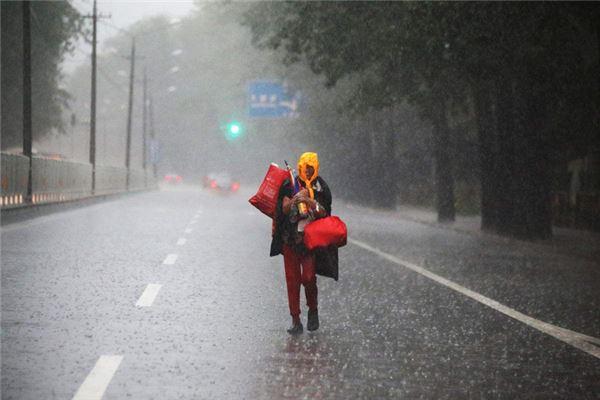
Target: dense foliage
{"x":527,"y":73}
{"x":54,"y":28}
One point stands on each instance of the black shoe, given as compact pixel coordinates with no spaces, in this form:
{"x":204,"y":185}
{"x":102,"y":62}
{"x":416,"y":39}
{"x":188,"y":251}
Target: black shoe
{"x":296,"y":329}
{"x":313,"y":320}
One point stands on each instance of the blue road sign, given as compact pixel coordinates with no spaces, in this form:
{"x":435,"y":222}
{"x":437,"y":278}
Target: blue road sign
{"x":268,"y":99}
{"x":154,"y":150}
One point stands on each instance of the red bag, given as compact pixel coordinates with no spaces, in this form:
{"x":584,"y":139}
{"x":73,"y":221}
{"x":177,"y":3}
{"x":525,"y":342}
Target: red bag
{"x":266,"y":197}
{"x":325,"y":232}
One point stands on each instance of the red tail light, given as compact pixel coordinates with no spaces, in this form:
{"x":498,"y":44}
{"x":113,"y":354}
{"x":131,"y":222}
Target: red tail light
{"x":213,"y":184}
{"x":178,"y":178}
{"x":235,"y":186}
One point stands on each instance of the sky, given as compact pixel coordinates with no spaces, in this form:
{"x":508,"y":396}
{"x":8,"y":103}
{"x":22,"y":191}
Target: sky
{"x":122,"y":13}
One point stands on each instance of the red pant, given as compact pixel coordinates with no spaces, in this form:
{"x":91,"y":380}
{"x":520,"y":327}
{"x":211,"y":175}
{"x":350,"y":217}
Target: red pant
{"x":300,"y":269}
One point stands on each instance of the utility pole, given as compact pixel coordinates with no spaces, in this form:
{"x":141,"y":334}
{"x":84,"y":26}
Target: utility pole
{"x":129,"y":111}
{"x":94,"y":18}
{"x":144,"y":117}
{"x":153,"y":136}
{"x":93,"y":102}
{"x":27,"y":123}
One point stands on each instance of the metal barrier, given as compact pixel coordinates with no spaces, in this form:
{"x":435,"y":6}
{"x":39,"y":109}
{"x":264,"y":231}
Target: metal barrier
{"x":110,"y":179}
{"x":59,"y":180}
{"x":137,"y":179}
{"x":14,"y":171}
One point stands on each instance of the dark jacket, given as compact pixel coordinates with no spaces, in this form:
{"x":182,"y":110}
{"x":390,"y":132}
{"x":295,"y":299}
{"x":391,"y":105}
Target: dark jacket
{"x":326,"y":260}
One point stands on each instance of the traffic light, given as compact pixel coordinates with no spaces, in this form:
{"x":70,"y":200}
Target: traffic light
{"x":234,"y":130}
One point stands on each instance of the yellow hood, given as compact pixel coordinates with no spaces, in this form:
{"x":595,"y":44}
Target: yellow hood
{"x":308,"y":159}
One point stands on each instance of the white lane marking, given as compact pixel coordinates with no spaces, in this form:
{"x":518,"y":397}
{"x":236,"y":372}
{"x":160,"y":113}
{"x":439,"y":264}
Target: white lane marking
{"x":97,"y":381}
{"x":192,"y":222}
{"x":147,"y":298}
{"x":575,"y":339}
{"x":188,"y":230}
{"x":170,"y":260}
{"x":181,"y":241}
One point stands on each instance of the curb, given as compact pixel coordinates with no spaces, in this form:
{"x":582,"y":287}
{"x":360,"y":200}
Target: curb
{"x":29,"y":211}
{"x":537,"y":246}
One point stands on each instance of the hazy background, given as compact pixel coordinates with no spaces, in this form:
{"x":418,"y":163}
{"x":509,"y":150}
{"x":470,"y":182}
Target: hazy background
{"x":199,"y":61}
{"x":475,"y":108}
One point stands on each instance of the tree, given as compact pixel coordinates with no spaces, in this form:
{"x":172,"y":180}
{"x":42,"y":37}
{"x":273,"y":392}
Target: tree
{"x":526,"y":68}
{"x":55,"y":26}
{"x":521,"y":65}
{"x":338,"y":39}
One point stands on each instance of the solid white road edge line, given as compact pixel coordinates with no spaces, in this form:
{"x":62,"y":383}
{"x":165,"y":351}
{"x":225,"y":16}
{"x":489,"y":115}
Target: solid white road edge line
{"x":148,"y":296}
{"x":575,"y":339}
{"x":181,"y":241}
{"x":97,"y":381}
{"x":170,"y":260}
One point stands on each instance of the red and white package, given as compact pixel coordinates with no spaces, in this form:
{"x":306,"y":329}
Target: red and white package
{"x":266,"y":197}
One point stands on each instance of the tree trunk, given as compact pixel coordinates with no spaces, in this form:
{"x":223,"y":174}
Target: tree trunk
{"x":505,"y":178}
{"x":387,"y":161}
{"x":362,"y":164}
{"x":383,"y":159}
{"x":532,"y":168}
{"x":522,"y":206}
{"x":487,"y":157}
{"x":444,"y":179}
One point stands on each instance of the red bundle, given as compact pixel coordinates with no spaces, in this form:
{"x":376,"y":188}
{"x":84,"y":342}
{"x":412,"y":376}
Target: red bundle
{"x":325,"y":232}
{"x":266,"y":197}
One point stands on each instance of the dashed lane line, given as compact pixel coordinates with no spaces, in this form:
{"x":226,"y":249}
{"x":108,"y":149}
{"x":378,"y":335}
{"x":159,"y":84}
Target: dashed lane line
{"x":148,"y":296}
{"x":97,"y":381}
{"x":181,"y":241}
{"x":588,"y":344}
{"x":170,"y":260}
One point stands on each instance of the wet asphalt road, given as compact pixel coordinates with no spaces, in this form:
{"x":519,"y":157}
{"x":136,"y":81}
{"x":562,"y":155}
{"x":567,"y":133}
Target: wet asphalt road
{"x":216,"y":327}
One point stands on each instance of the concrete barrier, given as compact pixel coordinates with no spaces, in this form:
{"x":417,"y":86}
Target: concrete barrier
{"x":60,"y":180}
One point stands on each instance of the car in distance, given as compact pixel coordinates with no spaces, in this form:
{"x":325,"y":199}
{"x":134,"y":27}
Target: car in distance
{"x":221,"y":182}
{"x":173,"y":179}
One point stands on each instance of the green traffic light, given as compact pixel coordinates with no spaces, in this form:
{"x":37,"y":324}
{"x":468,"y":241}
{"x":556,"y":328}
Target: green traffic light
{"x":234,"y":130}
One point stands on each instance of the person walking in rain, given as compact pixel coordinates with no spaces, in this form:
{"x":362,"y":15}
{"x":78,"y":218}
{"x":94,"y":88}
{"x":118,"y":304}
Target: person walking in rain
{"x":294,"y":211}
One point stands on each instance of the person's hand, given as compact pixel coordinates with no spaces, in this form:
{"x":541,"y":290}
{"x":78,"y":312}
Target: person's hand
{"x":302,"y":193}
{"x":301,"y":196}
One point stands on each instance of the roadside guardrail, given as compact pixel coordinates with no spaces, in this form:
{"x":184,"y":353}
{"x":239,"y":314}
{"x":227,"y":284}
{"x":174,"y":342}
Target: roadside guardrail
{"x":56,"y":181}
